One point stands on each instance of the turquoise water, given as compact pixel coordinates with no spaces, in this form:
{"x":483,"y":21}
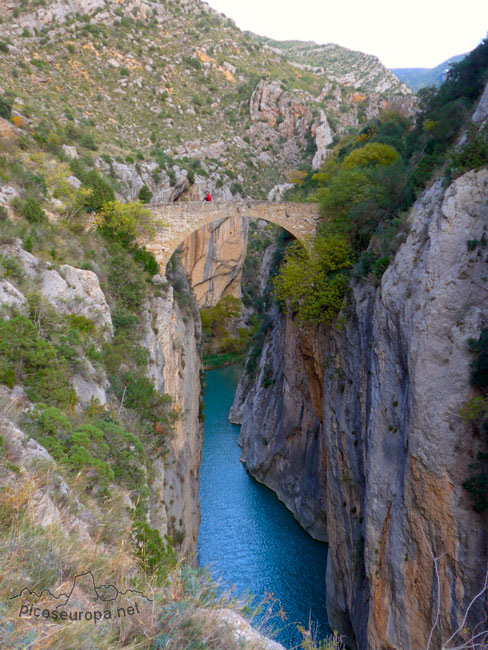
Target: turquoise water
{"x":247,"y":536}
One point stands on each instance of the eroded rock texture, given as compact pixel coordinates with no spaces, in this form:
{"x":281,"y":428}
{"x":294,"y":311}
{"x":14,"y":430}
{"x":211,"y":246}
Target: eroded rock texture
{"x":213,"y":258}
{"x":280,"y":409}
{"x":171,"y":337}
{"x":370,"y":410}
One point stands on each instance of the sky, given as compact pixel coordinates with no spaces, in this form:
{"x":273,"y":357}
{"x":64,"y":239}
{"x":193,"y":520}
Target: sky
{"x":415,"y":33}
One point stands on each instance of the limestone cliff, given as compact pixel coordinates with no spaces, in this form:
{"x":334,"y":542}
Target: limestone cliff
{"x":392,"y":449}
{"x":397,"y":449}
{"x":170,"y":335}
{"x":280,"y":410}
{"x":213,"y":258}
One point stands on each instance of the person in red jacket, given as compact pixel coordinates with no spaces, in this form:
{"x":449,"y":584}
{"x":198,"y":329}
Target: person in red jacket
{"x":208,"y":197}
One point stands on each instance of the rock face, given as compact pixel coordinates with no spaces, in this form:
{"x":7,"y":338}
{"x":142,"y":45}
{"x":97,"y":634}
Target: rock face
{"x":280,"y":410}
{"x":172,"y":338}
{"x":278,"y":115}
{"x":392,"y":429}
{"x":213,"y":257}
{"x":322,"y":134}
{"x":394,"y":451}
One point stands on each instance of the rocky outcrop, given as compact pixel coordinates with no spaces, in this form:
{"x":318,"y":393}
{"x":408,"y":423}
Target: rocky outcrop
{"x":171,"y":336}
{"x":280,"y":410}
{"x":322,"y":134}
{"x":398,"y":452}
{"x":10,"y":296}
{"x":279,"y":119}
{"x":394,"y":450}
{"x":213,"y":258}
{"x":70,"y":291}
{"x":481,"y":112}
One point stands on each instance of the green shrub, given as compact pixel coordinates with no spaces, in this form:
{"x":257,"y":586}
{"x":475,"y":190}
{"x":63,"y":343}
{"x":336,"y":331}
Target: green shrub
{"x":88,"y":142}
{"x":145,"y":194}
{"x":155,"y":555}
{"x":123,"y":222}
{"x":87,"y":449}
{"x":147,"y":260}
{"x":127,"y":282}
{"x":102,"y":192}
{"x":215,"y":319}
{"x":31,"y":361}
{"x":33,"y":212}
{"x":12,"y":268}
{"x":51,"y":421}
{"x":236,"y":188}
{"x":81,"y":323}
{"x":122,"y":319}
{"x":5,"y":108}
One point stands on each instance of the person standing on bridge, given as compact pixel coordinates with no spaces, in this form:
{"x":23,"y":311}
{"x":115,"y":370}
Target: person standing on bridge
{"x":208,"y":197}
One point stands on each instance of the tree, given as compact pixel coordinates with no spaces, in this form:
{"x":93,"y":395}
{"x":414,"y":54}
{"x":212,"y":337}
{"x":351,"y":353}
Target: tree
{"x":347,"y":188}
{"x":145,"y":194}
{"x":125,"y":221}
{"x":74,"y":199}
{"x":314,"y":285}
{"x":373,"y":153}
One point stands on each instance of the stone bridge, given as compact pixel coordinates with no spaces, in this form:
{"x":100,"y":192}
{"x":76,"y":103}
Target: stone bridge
{"x":182,"y":219}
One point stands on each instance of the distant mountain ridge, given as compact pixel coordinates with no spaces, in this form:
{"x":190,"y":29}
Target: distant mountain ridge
{"x":417,"y":78}
{"x":362,"y":71}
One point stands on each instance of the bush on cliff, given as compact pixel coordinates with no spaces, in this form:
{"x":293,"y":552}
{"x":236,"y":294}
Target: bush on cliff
{"x":32,"y":361}
{"x":475,"y":411}
{"x":313,"y":285}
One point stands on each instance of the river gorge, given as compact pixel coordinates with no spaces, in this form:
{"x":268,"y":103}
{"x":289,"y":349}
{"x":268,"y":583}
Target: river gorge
{"x":247,"y":537}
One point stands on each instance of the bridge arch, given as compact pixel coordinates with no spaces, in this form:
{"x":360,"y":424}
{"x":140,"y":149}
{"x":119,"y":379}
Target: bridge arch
{"x":182,"y":219}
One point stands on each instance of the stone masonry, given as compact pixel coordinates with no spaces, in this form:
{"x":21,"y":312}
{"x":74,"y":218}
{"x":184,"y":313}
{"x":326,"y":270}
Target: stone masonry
{"x":177,"y":221}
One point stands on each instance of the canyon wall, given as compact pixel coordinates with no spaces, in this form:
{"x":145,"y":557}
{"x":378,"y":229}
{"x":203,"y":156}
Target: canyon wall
{"x":397,"y":448}
{"x":370,"y":410}
{"x":213,"y":257}
{"x":170,"y":335}
{"x":280,"y":409}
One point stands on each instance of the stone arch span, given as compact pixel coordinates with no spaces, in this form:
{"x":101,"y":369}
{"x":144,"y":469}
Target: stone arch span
{"x":182,"y":219}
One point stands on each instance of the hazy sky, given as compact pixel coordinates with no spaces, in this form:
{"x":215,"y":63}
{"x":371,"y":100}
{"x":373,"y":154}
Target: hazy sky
{"x":413,"y":33}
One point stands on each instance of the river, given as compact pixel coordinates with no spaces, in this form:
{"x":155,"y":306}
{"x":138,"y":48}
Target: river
{"x":247,"y":537}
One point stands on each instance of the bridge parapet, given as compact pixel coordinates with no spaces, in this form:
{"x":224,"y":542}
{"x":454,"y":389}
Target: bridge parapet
{"x":182,"y":219}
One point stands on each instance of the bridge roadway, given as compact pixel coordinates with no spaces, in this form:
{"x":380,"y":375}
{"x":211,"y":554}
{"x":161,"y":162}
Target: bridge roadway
{"x":179,"y":220}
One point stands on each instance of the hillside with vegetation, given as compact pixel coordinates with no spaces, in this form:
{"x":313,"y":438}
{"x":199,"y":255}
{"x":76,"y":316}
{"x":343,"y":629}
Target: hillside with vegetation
{"x":363,"y":72}
{"x":373,"y":177}
{"x":167,"y":95}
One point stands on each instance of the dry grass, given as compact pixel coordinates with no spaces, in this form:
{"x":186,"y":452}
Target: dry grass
{"x":177,"y":615}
